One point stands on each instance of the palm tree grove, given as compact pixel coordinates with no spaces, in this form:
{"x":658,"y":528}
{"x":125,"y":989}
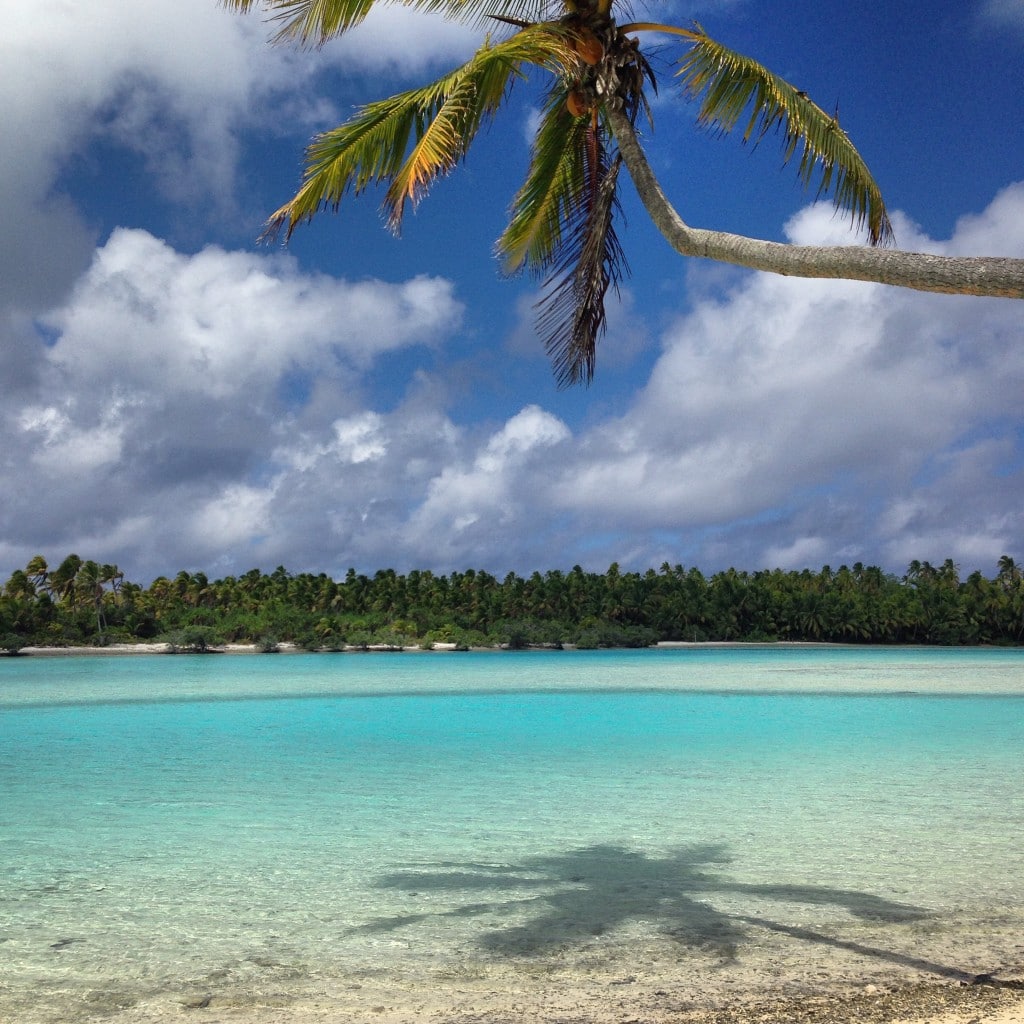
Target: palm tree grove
{"x":81,"y":602}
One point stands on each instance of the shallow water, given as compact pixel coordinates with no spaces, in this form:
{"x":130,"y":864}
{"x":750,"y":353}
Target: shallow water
{"x":254,"y":827}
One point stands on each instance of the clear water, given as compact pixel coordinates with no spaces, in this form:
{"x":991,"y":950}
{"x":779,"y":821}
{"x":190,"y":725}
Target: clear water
{"x":336,"y":830}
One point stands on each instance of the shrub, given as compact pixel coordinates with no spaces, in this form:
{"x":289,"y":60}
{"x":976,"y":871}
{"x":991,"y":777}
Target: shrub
{"x":11,"y":643}
{"x":193,"y":640}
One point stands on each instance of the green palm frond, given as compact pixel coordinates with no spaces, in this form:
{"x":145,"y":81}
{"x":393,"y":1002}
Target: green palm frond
{"x":314,"y":22}
{"x":413,"y":137}
{"x":732,"y":88}
{"x":553,"y":184}
{"x":590,"y":260}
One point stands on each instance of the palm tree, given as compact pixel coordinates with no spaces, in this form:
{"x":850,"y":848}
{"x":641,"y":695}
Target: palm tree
{"x":562,"y":219}
{"x":39,"y":572}
{"x":63,"y":580}
{"x":1009,"y":575}
{"x":89,"y":587}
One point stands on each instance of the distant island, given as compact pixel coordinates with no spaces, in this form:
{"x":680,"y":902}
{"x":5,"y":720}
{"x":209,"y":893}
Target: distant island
{"x":86,"y":603}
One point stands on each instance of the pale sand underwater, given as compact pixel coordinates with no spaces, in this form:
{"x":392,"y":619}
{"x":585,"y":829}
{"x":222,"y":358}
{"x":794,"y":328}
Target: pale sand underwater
{"x":748,"y":965}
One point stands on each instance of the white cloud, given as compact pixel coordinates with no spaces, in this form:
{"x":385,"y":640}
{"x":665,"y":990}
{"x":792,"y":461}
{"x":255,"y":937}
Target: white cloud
{"x":468,"y":508}
{"x":529,"y":429}
{"x":212,"y":410}
{"x":239,"y":512}
{"x":970,"y":506}
{"x":801,"y":553}
{"x":394,"y":38}
{"x":63,"y":443}
{"x":67,"y":70}
{"x":360,"y":438}
{"x":786,"y":388}
{"x":227,"y":324}
{"x":1004,"y":14}
{"x":998,"y":230}
{"x":173,"y":83}
{"x":172,"y":383}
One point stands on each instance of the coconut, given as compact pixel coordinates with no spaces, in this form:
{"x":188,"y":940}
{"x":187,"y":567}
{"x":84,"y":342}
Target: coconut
{"x":589,"y":47}
{"x":576,"y":103}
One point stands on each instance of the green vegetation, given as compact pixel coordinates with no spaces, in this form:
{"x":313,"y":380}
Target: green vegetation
{"x":83,"y":602}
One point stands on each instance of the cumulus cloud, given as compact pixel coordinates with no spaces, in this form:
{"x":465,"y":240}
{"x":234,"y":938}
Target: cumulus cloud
{"x":763,"y":400}
{"x":467,"y":507}
{"x":212,"y":410}
{"x":174,"y":387}
{"x":219,"y":323}
{"x":382,"y":42}
{"x":173,"y":83}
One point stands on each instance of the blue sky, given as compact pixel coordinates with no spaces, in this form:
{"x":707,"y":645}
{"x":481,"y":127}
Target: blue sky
{"x":177,"y":396}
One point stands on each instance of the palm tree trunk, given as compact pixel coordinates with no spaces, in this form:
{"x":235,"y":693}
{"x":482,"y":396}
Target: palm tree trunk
{"x":955,"y":275}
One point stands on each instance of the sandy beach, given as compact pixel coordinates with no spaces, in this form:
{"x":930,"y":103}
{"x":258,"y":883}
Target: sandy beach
{"x":937,"y":1004}
{"x":926,"y":1003}
{"x":290,"y":648}
{"x":625,"y":1000}
{"x":778,"y":980}
{"x":123,"y":649}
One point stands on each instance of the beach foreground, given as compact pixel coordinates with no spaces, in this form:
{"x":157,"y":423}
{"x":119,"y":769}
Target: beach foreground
{"x":621,"y":1001}
{"x":779,"y":982}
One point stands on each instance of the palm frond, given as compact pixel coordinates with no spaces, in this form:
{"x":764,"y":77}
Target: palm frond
{"x":438,"y":121}
{"x":732,"y":87}
{"x":572,"y":316}
{"x":308,"y":21}
{"x":553,"y":186}
{"x":314,"y":22}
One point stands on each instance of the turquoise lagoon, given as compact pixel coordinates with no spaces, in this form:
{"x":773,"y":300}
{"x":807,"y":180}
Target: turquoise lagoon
{"x":310,"y":831}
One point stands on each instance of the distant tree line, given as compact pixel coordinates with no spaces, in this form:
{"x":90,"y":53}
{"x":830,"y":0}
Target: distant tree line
{"x":85,"y":602}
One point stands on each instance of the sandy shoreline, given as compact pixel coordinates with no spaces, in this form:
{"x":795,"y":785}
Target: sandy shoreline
{"x":125,"y":649}
{"x":620,"y":1001}
{"x":290,"y":648}
{"x":918,"y":977}
{"x":931,"y":1003}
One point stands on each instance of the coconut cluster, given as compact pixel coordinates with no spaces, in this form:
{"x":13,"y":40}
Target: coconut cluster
{"x":590,"y":50}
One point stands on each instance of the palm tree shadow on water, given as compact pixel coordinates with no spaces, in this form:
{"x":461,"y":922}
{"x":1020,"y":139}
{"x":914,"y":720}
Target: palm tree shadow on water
{"x":569,"y":898}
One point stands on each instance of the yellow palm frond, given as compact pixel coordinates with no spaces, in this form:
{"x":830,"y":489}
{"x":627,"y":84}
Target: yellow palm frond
{"x":413,"y":137}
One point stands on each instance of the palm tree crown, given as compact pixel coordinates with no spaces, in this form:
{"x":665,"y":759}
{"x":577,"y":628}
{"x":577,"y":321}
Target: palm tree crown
{"x":562,"y":220}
